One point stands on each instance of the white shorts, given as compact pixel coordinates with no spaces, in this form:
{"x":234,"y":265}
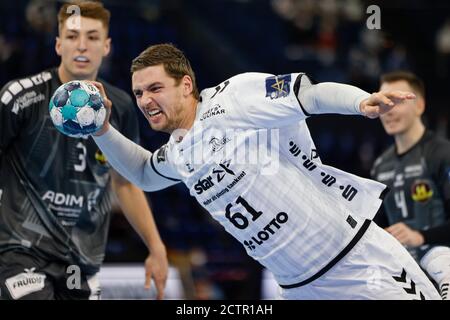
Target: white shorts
{"x":377,"y":267}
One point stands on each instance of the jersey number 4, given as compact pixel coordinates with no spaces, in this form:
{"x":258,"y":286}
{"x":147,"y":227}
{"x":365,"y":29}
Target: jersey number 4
{"x":400,"y":202}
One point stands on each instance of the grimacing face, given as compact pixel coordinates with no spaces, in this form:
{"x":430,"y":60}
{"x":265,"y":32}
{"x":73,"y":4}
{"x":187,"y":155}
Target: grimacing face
{"x":160,"y":98}
{"x":82,"y":49}
{"x":404,"y":115}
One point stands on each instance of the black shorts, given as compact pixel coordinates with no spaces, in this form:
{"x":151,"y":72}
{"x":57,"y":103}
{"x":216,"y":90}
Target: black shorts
{"x":25,"y":276}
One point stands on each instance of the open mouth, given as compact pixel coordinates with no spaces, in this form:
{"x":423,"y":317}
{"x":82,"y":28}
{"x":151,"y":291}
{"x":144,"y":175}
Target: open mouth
{"x":81,"y":59}
{"x":154,"y":112}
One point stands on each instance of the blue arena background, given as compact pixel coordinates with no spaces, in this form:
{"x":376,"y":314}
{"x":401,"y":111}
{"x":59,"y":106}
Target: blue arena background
{"x":327,"y":39}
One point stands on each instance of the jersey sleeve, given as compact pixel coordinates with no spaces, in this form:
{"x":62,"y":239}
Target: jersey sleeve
{"x":438,"y":159}
{"x":270,"y":101}
{"x":381,"y":218}
{"x":439,"y":162}
{"x":17,"y":99}
{"x":162,"y":164}
{"x":267,"y":101}
{"x":444,"y":179}
{"x":150,"y":172}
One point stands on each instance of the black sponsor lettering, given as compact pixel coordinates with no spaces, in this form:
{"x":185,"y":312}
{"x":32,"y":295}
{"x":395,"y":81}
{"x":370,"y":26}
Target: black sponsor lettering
{"x":328,"y":180}
{"x":349,"y":192}
{"x":273,"y":222}
{"x":27,"y":281}
{"x":294,"y":149}
{"x":282,"y":217}
{"x":308,"y":164}
{"x":266,"y":233}
{"x":263,"y":235}
{"x":203,"y":184}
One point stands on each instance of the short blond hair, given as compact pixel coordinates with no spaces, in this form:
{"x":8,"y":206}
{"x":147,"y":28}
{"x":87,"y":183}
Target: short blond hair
{"x":88,"y":9}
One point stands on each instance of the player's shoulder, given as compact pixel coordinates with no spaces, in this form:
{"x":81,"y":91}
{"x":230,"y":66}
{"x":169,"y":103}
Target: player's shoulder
{"x":387,"y":155}
{"x":241,"y":81}
{"x":263,"y":76}
{"x":250,"y":76}
{"x":260,"y":83}
{"x":25,"y":91}
{"x":434,"y":140}
{"x":248,"y":80}
{"x":435,"y":147}
{"x":266,"y":85}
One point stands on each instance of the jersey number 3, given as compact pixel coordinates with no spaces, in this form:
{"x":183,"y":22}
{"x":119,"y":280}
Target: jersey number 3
{"x":81,"y":166}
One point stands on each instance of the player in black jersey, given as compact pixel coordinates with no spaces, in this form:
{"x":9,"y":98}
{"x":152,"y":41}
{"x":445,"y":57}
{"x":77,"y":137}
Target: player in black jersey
{"x":54,"y":190}
{"x":417,"y":170}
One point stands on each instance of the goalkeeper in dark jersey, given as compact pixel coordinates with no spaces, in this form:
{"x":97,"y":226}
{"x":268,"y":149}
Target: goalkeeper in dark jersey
{"x":417,"y":170}
{"x":54,"y":190}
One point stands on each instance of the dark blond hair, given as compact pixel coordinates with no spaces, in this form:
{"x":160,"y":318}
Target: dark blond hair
{"x":173,"y":60}
{"x":88,"y":9}
{"x":414,"y":81}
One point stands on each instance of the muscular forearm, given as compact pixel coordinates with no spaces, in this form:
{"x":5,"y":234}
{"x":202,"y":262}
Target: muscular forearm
{"x":330,"y":97}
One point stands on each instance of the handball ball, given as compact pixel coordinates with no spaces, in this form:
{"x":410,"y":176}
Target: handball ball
{"x":76,"y":109}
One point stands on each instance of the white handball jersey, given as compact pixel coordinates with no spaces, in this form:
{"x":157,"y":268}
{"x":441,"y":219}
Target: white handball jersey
{"x":250,"y":161}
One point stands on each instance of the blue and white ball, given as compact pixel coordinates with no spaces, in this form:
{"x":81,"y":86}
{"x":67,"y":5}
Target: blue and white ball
{"x":76,"y":109}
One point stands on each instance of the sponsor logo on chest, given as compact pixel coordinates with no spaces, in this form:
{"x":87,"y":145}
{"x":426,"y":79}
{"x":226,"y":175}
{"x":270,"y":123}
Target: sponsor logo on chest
{"x":212,"y":112}
{"x":385,"y":176}
{"x":421,"y":191}
{"x":217,"y":176}
{"x":27,"y":100}
{"x":413,"y":171}
{"x":59,"y":199}
{"x":217,"y":144}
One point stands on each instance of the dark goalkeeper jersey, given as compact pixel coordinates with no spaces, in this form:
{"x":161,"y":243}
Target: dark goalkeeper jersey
{"x":419,"y":196}
{"x":54,"y":197}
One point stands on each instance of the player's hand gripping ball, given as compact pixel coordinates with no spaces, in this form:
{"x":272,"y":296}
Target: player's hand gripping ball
{"x":76,"y":109}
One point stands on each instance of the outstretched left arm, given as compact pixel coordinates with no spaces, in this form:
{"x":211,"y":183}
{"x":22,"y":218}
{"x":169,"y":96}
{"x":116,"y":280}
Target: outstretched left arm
{"x":135,"y":207}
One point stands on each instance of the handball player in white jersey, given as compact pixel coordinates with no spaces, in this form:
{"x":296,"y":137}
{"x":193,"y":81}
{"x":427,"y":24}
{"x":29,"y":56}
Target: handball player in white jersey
{"x":244,"y":151}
